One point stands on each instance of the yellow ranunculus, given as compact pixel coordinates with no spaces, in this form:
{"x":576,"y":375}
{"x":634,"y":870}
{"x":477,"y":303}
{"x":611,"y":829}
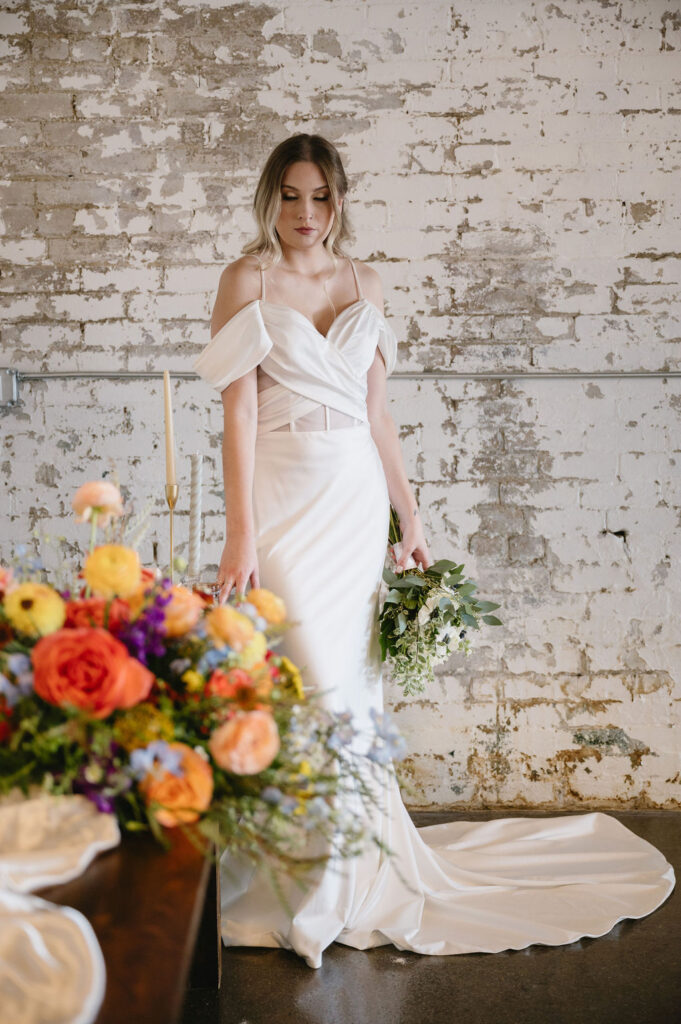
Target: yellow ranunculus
{"x":228,"y":626}
{"x":268,"y":604}
{"x":113,"y":571}
{"x":292,"y":679}
{"x":35,"y":609}
{"x":254,"y":651}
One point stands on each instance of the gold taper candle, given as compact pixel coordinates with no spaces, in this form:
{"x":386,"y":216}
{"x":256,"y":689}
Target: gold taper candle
{"x":170,"y":437}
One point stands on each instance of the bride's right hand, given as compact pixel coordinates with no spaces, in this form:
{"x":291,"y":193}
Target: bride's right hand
{"x":238,"y":564}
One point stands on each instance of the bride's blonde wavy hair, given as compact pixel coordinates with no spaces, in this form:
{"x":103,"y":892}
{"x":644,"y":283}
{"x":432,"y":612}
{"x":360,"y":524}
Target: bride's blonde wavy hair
{"x":267,"y":200}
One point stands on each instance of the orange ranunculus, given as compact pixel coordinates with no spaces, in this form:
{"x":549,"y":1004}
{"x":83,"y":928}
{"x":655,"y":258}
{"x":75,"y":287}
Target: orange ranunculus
{"x":183,"y":798}
{"x":244,"y":687}
{"x":137,"y":599}
{"x":100,"y":496}
{"x":90,"y":669}
{"x":269,"y":605}
{"x":228,"y":626}
{"x":246,"y":744}
{"x":228,"y":684}
{"x":183,"y":611}
{"x":113,"y":570}
{"x":91,"y":612}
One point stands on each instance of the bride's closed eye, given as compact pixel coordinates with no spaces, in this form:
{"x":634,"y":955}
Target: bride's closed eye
{"x":320,"y":199}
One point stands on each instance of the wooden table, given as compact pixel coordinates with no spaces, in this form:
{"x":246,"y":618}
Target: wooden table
{"x":156,"y":917}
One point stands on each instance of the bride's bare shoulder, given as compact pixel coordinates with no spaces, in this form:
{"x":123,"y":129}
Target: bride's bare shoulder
{"x":371,"y":284}
{"x":239,"y":284}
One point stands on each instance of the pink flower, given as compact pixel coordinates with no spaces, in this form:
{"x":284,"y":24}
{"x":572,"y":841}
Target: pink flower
{"x":100,"y":496}
{"x":246,"y":744}
{"x":6,"y":580}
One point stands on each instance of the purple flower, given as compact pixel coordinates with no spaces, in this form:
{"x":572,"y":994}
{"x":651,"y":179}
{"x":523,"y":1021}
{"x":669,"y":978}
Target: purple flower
{"x":100,"y":779}
{"x":145,"y":637}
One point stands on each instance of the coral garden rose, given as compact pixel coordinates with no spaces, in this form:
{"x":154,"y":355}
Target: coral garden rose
{"x":100,"y":497}
{"x":246,"y":744}
{"x":112,"y":570}
{"x":228,"y":626}
{"x":88,"y":668}
{"x":35,"y":609}
{"x":183,"y":611}
{"x":267,"y":604}
{"x":184,"y":798}
{"x":92,"y":611}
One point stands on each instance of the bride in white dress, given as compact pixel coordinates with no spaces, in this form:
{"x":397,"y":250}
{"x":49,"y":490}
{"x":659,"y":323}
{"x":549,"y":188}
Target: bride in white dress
{"x":300,"y":352}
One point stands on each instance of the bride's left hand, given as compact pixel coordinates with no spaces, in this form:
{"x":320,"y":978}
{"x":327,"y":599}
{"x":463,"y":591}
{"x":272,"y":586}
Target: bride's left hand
{"x":414,"y":544}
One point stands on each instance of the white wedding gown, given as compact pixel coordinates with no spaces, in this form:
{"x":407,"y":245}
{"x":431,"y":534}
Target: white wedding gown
{"x":321,"y":511}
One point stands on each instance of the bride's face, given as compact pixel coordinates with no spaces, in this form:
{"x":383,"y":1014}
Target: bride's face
{"x":305,"y":202}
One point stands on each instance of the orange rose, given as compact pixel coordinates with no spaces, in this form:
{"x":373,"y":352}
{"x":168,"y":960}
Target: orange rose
{"x":90,"y":669}
{"x":183,"y":798}
{"x":246,"y":744}
{"x":90,"y":612}
{"x":183,"y":611}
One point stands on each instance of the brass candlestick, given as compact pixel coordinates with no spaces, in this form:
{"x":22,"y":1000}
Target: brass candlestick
{"x":172,"y":491}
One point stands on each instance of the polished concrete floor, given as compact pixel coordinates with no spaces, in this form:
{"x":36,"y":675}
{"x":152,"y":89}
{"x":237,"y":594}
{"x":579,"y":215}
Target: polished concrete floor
{"x":632,"y":975}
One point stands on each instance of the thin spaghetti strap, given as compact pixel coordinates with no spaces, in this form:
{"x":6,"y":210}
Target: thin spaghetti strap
{"x":262,"y":284}
{"x":359,"y":290}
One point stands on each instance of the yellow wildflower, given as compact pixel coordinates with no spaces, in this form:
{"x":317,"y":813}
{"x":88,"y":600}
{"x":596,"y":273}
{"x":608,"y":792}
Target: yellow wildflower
{"x":193,"y":680}
{"x":141,"y":725}
{"x":290,"y":679}
{"x":113,"y":571}
{"x":35,"y":609}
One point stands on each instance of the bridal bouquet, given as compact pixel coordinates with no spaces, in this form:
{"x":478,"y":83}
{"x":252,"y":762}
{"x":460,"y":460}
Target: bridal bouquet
{"x":167,"y":710}
{"x":426,"y":616}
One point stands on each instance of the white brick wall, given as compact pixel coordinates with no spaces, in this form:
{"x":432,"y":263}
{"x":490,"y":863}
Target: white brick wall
{"x":514,"y":172}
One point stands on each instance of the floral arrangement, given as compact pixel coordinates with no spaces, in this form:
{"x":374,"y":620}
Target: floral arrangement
{"x":168,"y":711}
{"x":426,"y":615}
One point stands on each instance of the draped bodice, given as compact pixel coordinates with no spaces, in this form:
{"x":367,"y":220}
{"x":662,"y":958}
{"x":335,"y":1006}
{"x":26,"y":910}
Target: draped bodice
{"x":329,"y":369}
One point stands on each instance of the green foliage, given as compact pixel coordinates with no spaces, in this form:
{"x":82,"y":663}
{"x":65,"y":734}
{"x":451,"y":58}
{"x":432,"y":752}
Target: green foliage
{"x":426,"y":616}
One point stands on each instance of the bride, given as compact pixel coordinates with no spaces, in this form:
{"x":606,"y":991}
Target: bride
{"x":300,"y":351}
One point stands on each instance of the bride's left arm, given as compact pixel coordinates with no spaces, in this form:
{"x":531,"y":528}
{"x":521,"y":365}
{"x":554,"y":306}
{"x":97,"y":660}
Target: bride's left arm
{"x":387,"y":441}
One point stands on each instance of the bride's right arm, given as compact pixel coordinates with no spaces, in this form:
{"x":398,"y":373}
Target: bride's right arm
{"x":240,"y":405}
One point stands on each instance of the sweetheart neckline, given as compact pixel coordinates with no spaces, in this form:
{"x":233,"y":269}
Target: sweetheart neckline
{"x":292,"y":309}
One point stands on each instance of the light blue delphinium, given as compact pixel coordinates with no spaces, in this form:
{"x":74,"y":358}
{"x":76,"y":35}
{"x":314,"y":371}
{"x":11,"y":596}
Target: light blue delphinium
{"x":143,"y":760}
{"x":389,"y":743}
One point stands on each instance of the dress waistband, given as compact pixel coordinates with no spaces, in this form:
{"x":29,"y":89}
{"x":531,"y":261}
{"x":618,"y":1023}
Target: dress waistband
{"x":279,"y":408}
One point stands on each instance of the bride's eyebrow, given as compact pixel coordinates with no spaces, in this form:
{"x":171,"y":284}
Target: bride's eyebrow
{"x":298,"y":190}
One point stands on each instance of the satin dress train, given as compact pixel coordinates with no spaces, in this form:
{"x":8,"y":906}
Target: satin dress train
{"x":321,"y":511}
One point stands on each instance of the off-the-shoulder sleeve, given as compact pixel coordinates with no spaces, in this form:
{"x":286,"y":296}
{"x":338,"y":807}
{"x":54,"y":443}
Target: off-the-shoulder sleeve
{"x":238,"y":346}
{"x":387,"y":344}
